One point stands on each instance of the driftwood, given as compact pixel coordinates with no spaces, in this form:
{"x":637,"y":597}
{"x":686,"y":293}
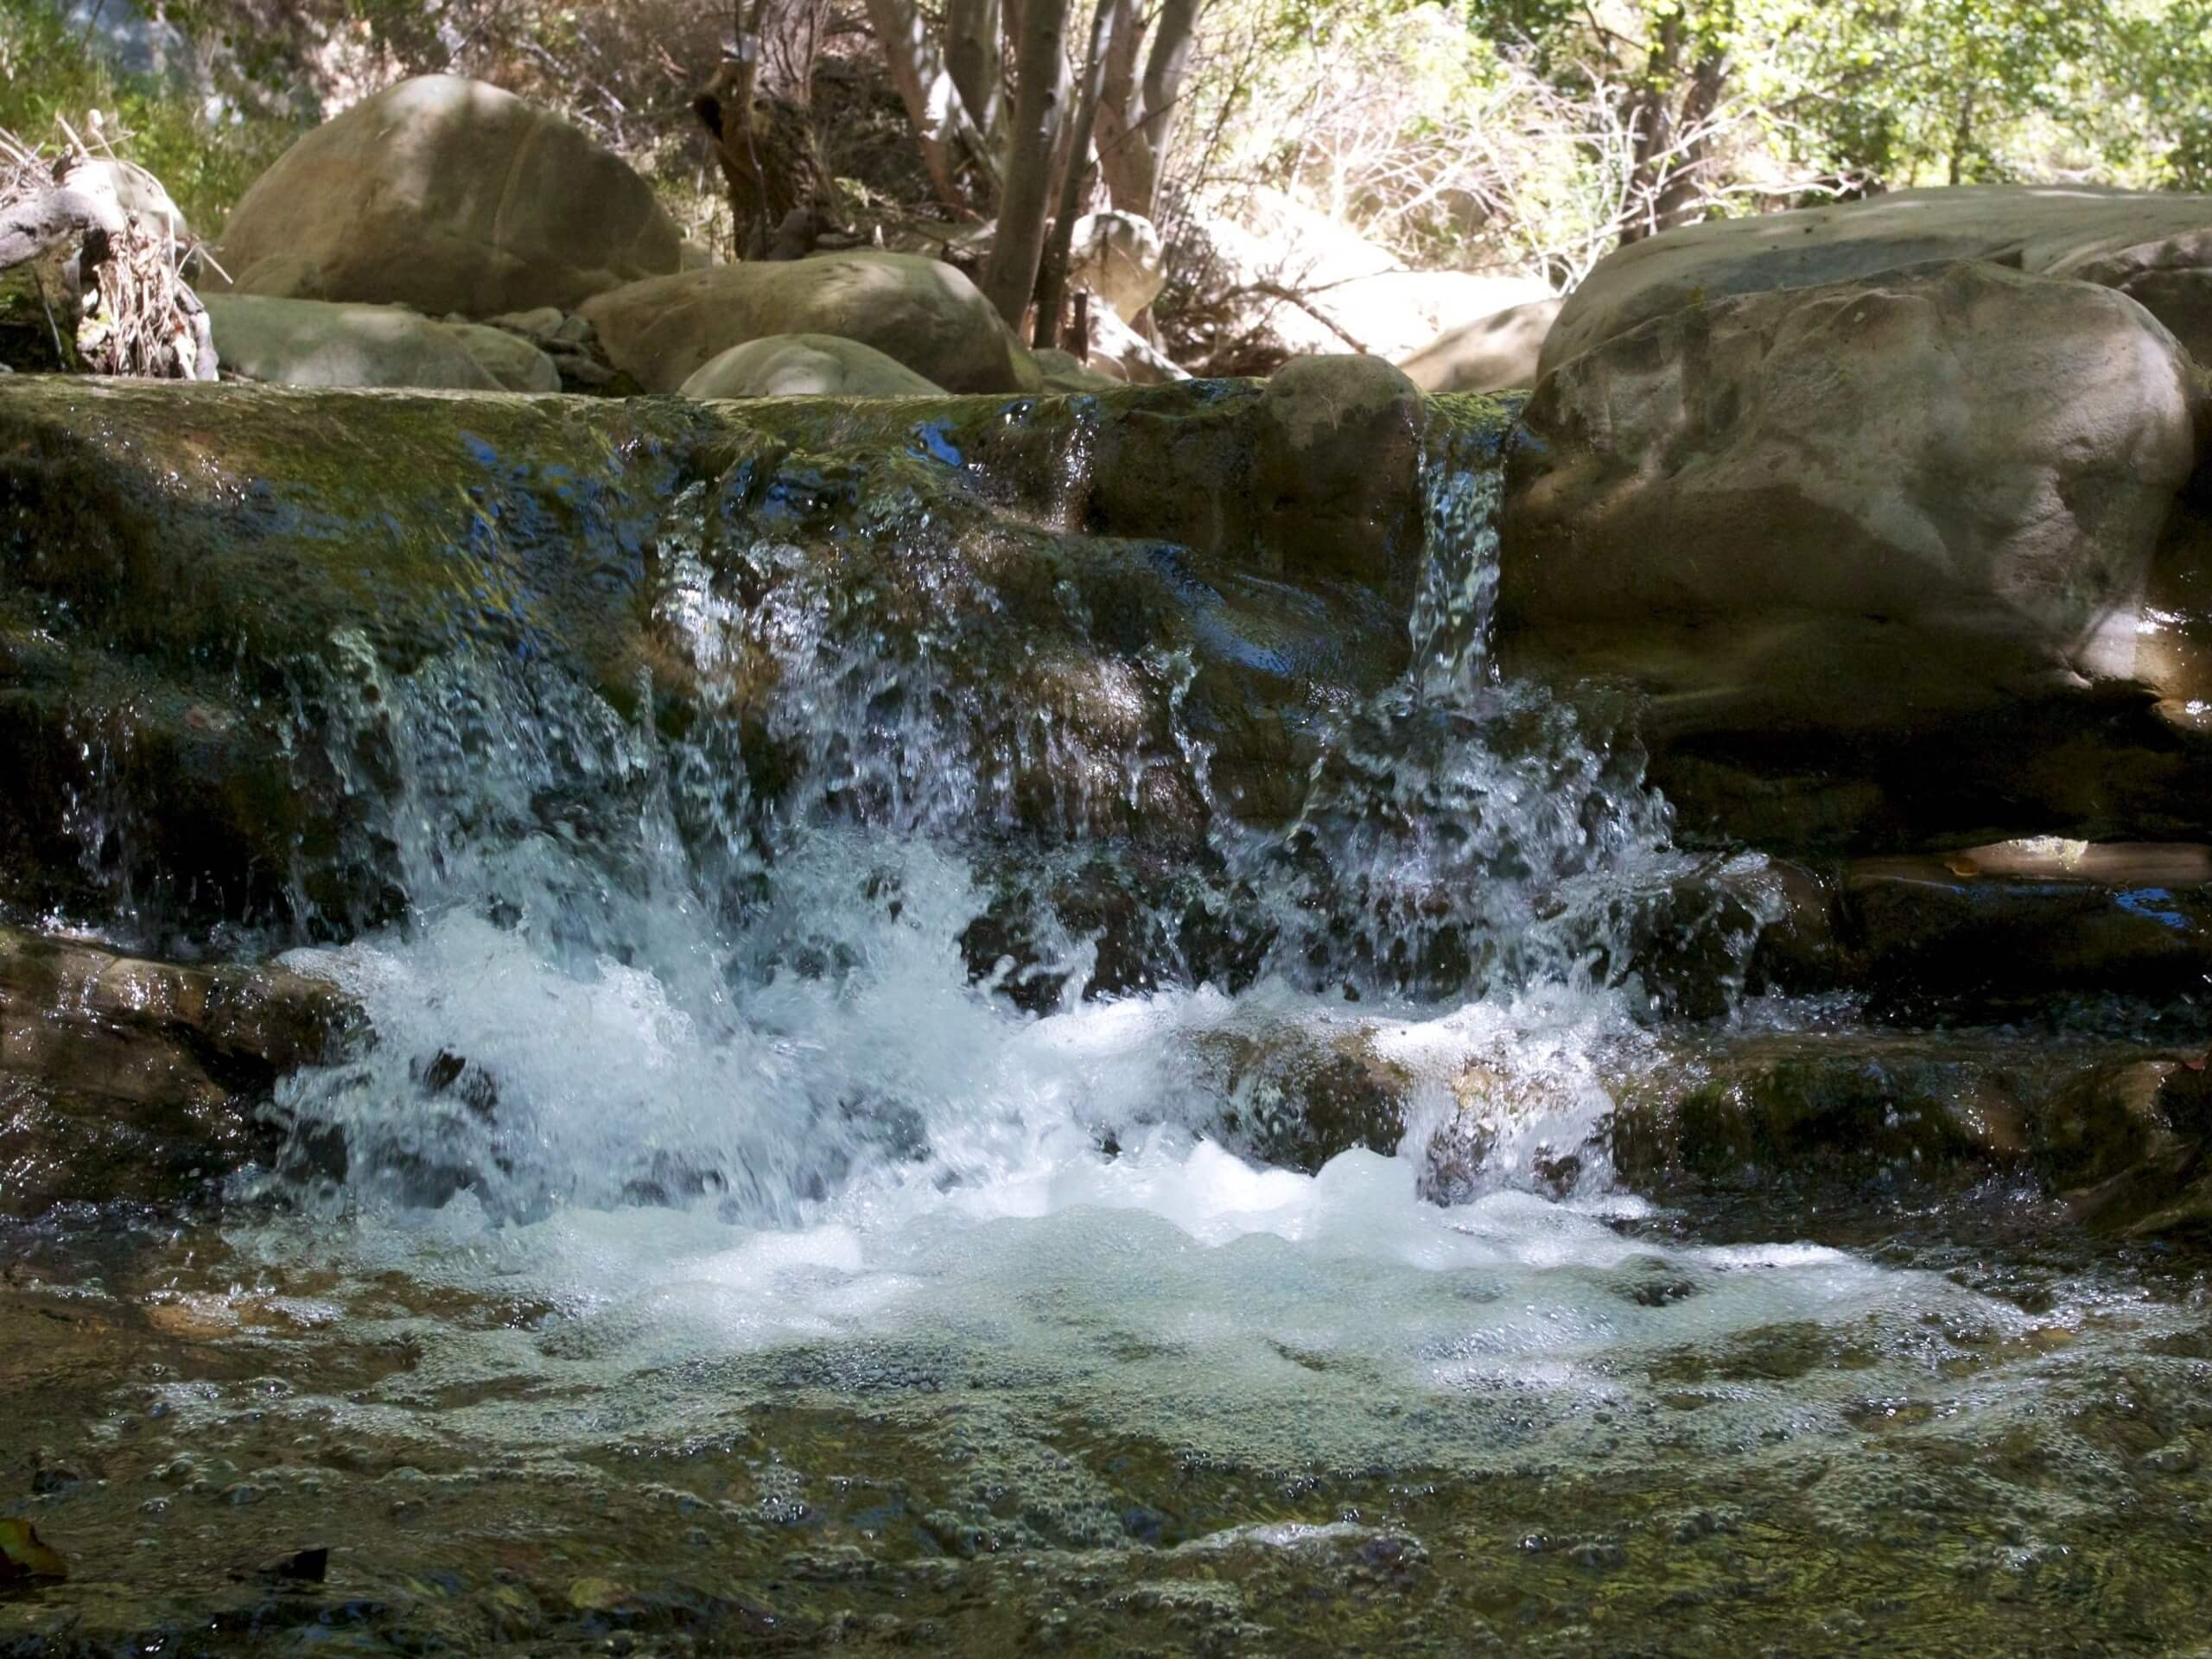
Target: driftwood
{"x":108,"y":282}
{"x":33,"y":226}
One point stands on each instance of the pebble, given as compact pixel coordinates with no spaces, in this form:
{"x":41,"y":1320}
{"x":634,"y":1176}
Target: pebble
{"x":2174,"y":1457}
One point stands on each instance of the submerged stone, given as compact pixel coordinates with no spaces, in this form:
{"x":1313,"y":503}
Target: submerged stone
{"x":1812,"y":1110}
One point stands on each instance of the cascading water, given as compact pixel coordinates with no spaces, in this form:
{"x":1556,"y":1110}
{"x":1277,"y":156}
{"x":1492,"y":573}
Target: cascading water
{"x":869,"y":1120}
{"x":698,"y":1045}
{"x":629,"y":977}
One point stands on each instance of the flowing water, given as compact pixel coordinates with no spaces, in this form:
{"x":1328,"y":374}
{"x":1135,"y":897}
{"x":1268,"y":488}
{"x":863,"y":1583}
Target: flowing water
{"x":711,"y":1253}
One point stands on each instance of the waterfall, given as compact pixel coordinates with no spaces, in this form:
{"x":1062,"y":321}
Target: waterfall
{"x":850,"y":1012}
{"x":734,"y":961}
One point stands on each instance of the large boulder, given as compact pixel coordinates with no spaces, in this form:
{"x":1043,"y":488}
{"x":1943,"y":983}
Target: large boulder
{"x":313,"y":343}
{"x":916,"y":311}
{"x":1888,"y":511}
{"x":1118,"y":258}
{"x":449,"y":195}
{"x":2154,"y":245}
{"x":1498,"y":352}
{"x":806,"y":365}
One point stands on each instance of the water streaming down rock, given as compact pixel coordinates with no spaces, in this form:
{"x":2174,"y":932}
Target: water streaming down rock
{"x":745,"y":958}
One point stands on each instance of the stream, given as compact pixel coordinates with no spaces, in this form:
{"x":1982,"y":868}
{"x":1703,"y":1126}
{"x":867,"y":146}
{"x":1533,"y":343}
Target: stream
{"x":724,"y":1247}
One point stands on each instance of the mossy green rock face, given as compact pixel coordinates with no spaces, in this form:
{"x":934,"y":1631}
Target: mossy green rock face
{"x":211,"y":598}
{"x":186,"y":575}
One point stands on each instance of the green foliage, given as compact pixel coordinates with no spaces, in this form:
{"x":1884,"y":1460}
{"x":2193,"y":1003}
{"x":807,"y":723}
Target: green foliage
{"x":1923,"y":91}
{"x":1474,"y":132}
{"x":2170,"y":51}
{"x":204,"y":150}
{"x":1914,"y":91}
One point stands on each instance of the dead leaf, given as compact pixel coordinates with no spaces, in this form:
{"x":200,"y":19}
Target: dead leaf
{"x":23,"y":1554}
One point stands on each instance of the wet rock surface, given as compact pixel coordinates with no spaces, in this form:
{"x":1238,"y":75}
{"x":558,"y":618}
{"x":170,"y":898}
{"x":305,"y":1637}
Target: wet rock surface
{"x":234,"y":1469}
{"x":143,"y":1081}
{"x":205,"y":604}
{"x":1838,"y":1110}
{"x":536,"y":1338}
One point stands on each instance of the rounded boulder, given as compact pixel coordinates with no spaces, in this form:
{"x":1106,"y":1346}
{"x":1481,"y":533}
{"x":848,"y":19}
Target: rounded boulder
{"x":806,"y":365}
{"x":449,"y":195}
{"x":1864,"y":507}
{"x":918,"y":312}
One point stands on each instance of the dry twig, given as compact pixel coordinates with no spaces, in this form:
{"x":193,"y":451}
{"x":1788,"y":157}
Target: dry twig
{"x":118,"y":274}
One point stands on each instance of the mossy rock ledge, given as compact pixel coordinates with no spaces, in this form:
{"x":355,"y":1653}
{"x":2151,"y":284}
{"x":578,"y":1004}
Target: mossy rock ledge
{"x":211,"y":596}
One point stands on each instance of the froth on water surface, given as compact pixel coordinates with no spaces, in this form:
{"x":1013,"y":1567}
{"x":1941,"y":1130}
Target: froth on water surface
{"x":724,"y":1236}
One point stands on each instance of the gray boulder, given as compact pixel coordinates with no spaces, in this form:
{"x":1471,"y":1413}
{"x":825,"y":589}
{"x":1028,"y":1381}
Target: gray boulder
{"x":311,"y":343}
{"x":449,"y":195}
{"x":513,"y":361}
{"x":806,"y":365}
{"x":1498,"y":352}
{"x":1921,"y":513}
{"x":916,"y":311}
{"x":2153,"y":246}
{"x":1118,"y":257}
{"x":1826,"y":506}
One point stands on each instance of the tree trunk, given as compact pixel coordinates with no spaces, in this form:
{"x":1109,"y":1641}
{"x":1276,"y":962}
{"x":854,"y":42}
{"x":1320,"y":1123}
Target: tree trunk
{"x":1126,"y":160}
{"x":941,"y":122}
{"x":1654,"y":127}
{"x":1052,"y":283}
{"x":1663,"y":186}
{"x":973,"y":59}
{"x":1676,"y":200}
{"x":1163,"y":76}
{"x":1018,"y":245}
{"x":1137,"y":118}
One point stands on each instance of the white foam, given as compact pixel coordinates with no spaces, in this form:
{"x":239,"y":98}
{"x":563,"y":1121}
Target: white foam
{"x":721,"y":1103}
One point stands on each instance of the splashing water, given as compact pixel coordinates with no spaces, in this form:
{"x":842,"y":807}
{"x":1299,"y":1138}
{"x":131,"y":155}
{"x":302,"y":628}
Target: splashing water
{"x":697,"y":1048}
{"x":632,"y":974}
